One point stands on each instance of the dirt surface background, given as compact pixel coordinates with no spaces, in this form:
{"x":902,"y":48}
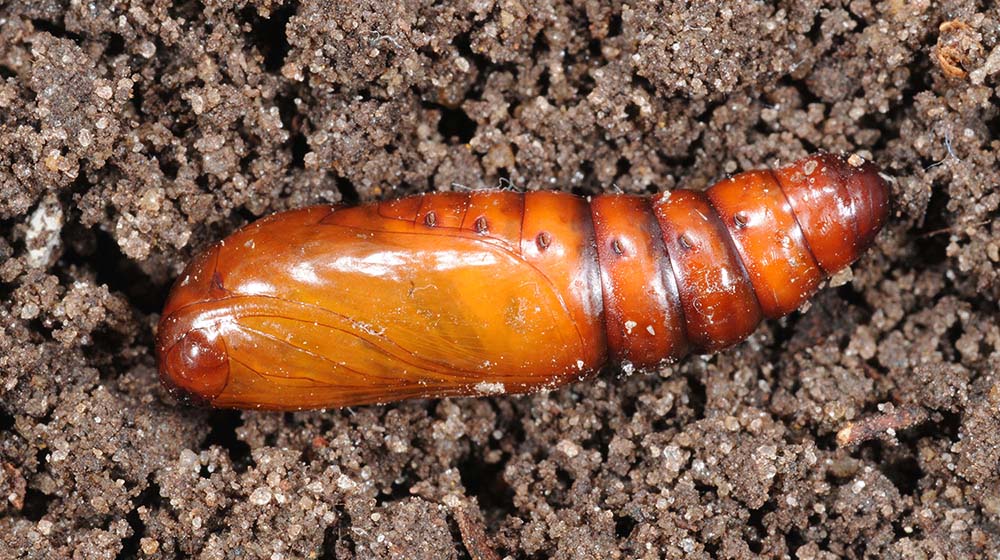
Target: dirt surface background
{"x":133,"y":134}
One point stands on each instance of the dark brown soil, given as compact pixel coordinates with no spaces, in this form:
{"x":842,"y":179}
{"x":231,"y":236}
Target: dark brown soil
{"x":132,"y":137}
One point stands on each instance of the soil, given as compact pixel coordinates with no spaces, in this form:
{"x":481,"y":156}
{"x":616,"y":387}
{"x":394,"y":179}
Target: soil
{"x":134,"y":134}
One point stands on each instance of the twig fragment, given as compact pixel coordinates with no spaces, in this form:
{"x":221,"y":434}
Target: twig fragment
{"x":881,"y":425}
{"x":471,"y":526}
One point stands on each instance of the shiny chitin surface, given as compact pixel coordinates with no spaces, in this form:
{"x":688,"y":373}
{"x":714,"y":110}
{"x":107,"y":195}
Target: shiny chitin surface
{"x":490,"y":292}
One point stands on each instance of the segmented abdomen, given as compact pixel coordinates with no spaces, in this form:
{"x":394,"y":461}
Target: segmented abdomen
{"x":708,"y":266}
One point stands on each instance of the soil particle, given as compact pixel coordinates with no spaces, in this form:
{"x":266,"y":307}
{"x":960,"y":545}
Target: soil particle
{"x":133,"y":136}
